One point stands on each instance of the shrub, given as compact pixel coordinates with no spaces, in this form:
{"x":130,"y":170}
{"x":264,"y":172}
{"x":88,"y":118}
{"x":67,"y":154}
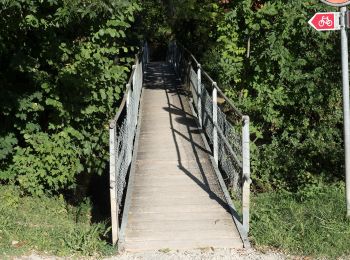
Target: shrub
{"x":286,"y":76}
{"x":63,"y":68}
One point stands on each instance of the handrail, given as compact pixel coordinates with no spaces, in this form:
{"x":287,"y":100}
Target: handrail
{"x":122,"y":131}
{"x":213,"y":83}
{"x":114,"y":121}
{"x":233,"y":162}
{"x":190,"y":54}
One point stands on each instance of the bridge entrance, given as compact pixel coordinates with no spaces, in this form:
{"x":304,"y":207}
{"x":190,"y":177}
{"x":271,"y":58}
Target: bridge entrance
{"x":176,"y":163}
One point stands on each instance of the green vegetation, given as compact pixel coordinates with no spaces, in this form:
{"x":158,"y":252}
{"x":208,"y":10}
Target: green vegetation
{"x":283,"y":74}
{"x":286,"y":77}
{"x":309,"y":223}
{"x":288,"y":81}
{"x":63,"y":67}
{"x":48,"y":225}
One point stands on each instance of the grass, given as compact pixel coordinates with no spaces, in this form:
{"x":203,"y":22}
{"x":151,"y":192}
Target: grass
{"x":48,"y":226}
{"x":312,"y":222}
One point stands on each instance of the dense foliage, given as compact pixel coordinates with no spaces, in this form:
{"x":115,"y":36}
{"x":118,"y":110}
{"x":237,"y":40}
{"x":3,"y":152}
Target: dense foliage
{"x":64,"y":63}
{"x":63,"y":66}
{"x":283,"y":74}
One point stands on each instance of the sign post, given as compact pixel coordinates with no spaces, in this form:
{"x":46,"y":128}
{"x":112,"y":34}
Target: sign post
{"x":346,"y":105}
{"x":340,"y":21}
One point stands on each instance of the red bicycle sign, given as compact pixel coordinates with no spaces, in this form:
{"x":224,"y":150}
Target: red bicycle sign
{"x":325,"y":21}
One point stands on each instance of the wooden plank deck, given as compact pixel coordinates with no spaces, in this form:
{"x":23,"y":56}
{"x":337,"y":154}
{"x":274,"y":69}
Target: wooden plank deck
{"x":176,"y":201}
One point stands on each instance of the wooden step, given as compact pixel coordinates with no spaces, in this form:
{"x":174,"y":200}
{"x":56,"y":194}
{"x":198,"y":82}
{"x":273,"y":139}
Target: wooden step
{"x":139,"y":246}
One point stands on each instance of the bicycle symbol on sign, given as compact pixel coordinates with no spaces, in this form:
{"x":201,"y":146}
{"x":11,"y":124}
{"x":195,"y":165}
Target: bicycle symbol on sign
{"x":325,"y":21}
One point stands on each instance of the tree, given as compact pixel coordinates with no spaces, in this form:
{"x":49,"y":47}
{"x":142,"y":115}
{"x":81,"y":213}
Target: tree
{"x":60,"y":80}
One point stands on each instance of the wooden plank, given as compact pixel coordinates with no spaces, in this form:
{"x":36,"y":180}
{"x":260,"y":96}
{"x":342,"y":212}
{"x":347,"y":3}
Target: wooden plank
{"x":166,"y":179}
{"x":182,"y":209}
{"x":144,"y":165}
{"x":189,"y":216}
{"x":176,"y":234}
{"x":166,"y":182}
{"x":193,"y":225}
{"x":172,"y":196}
{"x":139,"y":246}
{"x":174,"y":203}
{"x":170,"y":189}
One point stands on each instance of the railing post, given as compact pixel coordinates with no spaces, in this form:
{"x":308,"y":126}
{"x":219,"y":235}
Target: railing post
{"x":113,"y":183}
{"x":199,"y":92}
{"x":146,"y":53}
{"x":128,"y":98}
{"x":129,"y":115}
{"x":215,"y":124}
{"x":246,"y":172}
{"x":135,"y":91}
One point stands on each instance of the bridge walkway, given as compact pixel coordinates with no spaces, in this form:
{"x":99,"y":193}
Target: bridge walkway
{"x":176,"y":201}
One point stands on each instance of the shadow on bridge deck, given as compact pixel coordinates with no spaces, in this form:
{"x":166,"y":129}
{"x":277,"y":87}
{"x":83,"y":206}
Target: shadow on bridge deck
{"x":176,"y":200}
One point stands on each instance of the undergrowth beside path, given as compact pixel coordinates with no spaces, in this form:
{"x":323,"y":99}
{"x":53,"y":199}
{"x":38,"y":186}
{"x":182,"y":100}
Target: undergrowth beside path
{"x":48,"y":225}
{"x":311,"y":222}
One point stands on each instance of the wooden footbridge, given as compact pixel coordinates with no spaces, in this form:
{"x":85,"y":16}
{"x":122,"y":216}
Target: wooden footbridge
{"x":178,"y":164}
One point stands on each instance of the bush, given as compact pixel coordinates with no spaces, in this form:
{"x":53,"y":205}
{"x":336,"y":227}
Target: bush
{"x":46,"y":164}
{"x":63,"y":69}
{"x":286,"y":76}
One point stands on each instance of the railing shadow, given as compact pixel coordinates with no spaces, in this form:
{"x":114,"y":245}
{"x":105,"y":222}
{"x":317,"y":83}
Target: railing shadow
{"x":167,"y":81}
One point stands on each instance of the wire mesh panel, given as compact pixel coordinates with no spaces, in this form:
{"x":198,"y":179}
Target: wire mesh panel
{"x":207,"y":113}
{"x":231,"y":161}
{"x":123,"y":159}
{"x":194,"y":85}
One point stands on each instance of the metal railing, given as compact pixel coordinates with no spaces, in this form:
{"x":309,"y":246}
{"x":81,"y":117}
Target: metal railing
{"x":226,"y":132}
{"x":122,"y":131}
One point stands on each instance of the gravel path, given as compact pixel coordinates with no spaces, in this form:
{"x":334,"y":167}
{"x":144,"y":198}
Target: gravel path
{"x":204,"y":254}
